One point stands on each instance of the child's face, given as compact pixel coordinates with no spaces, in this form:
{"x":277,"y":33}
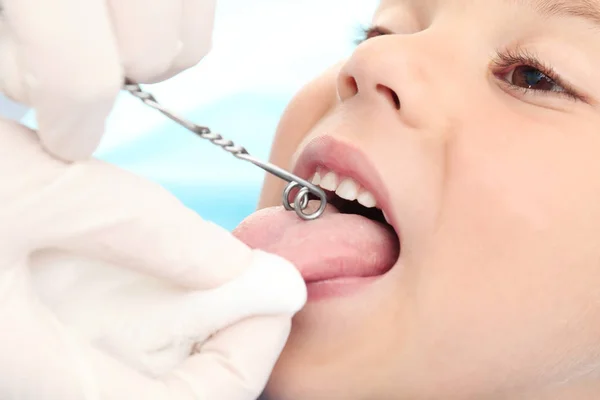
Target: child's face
{"x":494,"y":187}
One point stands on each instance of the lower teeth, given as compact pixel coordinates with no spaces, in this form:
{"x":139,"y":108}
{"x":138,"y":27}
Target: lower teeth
{"x":386,"y":217}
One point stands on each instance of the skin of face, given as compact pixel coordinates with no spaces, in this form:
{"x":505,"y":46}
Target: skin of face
{"x":496,"y":192}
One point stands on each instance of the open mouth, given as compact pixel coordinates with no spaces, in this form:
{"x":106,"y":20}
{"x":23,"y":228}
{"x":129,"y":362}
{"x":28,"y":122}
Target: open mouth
{"x":354,"y":242}
{"x":362,"y":245}
{"x":356,"y":191}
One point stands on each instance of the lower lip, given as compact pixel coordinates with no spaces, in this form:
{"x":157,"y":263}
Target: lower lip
{"x":338,"y":287}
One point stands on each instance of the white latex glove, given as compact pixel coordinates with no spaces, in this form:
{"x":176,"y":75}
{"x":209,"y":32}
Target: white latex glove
{"x":107,"y":283}
{"x":68,"y":58}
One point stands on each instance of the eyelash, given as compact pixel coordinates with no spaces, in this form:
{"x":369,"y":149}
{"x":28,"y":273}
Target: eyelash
{"x":505,"y":61}
{"x":371,"y":32}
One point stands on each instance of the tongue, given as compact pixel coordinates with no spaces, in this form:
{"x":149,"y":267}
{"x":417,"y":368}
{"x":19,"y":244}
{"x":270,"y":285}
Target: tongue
{"x":333,"y":246}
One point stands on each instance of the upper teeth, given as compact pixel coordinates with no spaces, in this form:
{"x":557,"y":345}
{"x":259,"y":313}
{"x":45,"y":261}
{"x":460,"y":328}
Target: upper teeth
{"x":346,"y":188}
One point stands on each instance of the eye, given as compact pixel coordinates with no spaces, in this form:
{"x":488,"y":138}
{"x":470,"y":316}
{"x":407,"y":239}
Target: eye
{"x":528,"y":77}
{"x":523,"y":71}
{"x":371,"y":32}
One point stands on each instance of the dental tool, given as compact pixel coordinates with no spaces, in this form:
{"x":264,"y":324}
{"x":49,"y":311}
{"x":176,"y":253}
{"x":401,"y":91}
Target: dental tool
{"x":305,"y":188}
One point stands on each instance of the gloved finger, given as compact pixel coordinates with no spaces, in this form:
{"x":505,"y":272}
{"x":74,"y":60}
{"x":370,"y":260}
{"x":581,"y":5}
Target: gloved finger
{"x":68,"y":70}
{"x":197,"y":25}
{"x":270,"y":286}
{"x":137,"y":224}
{"x":152,"y":327}
{"x":235,"y":364}
{"x":147,"y":35}
{"x":97,"y":210}
{"x":158,"y":344}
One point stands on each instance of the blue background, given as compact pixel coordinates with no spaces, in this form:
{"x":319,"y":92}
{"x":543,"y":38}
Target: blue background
{"x":263,"y":52}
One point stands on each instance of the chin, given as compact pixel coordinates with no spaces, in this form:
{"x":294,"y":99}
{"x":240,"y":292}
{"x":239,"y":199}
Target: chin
{"x":334,"y":353}
{"x":295,"y":379}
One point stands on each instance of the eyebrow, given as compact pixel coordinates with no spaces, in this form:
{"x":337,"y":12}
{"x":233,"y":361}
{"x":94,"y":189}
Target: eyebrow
{"x":585,"y":9}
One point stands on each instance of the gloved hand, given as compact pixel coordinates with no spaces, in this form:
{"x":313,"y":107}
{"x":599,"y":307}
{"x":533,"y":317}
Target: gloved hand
{"x":68,"y":58}
{"x":107,"y":284}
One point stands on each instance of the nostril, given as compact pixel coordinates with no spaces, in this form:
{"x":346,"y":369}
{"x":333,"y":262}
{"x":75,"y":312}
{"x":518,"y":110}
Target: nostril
{"x":396,"y":100}
{"x":390,"y":94}
{"x":352,"y":85}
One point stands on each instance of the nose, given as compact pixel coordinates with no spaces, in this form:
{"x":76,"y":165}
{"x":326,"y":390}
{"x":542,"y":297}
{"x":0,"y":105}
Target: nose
{"x":391,"y":71}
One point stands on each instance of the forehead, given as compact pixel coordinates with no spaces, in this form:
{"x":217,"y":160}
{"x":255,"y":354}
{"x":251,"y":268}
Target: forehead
{"x":586,"y":9}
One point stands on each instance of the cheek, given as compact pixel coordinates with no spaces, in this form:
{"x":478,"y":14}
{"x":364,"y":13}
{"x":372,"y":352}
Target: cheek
{"x":514,"y":264}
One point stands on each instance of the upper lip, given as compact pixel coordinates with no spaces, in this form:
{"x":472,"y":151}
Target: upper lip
{"x":347,"y":161}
